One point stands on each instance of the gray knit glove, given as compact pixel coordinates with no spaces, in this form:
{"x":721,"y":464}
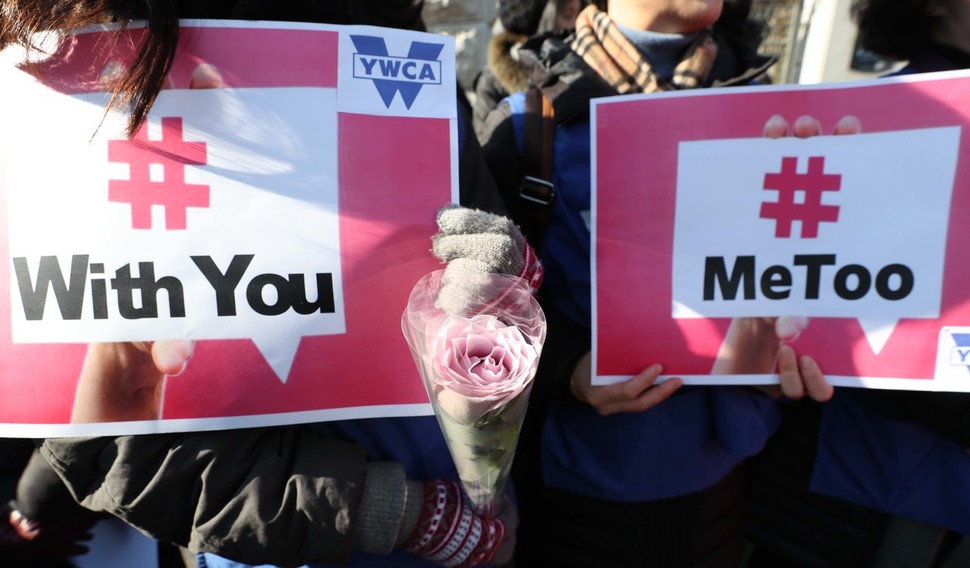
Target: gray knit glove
{"x":475,"y":242}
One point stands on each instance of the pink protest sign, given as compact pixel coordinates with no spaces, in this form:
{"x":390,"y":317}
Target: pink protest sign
{"x":706,"y":234}
{"x":270,"y":218}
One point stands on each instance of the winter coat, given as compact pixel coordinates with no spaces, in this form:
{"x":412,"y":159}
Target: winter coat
{"x":503,"y":76}
{"x":680,"y":446}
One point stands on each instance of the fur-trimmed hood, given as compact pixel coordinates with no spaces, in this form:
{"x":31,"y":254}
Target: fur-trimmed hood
{"x":504,"y":62}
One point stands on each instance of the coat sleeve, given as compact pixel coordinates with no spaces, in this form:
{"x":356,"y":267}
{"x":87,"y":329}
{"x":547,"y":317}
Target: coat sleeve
{"x":502,"y":158}
{"x":278,"y":495}
{"x":947,"y":414}
{"x":476,"y":186}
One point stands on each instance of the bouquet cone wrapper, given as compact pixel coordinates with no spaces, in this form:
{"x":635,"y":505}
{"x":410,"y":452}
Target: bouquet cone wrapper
{"x":477,"y":364}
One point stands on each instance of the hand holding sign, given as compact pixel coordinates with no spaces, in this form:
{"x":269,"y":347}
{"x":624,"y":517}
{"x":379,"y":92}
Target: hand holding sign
{"x":755,"y":345}
{"x":758,"y":345}
{"x":808,"y":126}
{"x":639,"y":393}
{"x":859,"y":232}
{"x":126,"y":381}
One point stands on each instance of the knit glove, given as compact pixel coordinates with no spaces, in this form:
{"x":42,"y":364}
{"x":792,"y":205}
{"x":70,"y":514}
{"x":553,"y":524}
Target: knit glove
{"x":474,"y":242}
{"x":449,"y":533}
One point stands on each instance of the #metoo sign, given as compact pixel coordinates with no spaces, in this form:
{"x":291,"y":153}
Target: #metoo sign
{"x":859,"y":234}
{"x":275,"y":210}
{"x":812,"y":241}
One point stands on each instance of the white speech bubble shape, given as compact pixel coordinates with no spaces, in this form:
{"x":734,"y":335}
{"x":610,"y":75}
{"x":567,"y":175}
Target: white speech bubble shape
{"x":875,"y":253}
{"x":269,"y":213}
{"x":877,"y":331}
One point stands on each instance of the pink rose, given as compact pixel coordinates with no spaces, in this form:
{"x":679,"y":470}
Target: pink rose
{"x":479,"y":364}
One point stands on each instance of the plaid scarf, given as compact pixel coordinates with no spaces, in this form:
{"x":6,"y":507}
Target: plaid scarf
{"x":604,"y":48}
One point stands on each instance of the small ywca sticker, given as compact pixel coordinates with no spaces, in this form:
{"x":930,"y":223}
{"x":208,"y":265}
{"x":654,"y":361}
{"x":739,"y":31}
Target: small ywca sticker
{"x":953,"y":355}
{"x":954,"y":347}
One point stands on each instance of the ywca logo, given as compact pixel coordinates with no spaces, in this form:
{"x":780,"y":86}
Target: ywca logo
{"x":395,"y":74}
{"x":960,"y":353}
{"x":800,"y":197}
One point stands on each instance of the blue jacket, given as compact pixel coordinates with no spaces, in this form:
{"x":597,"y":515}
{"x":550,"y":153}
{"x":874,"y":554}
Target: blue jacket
{"x":683,"y":445}
{"x":903,"y":453}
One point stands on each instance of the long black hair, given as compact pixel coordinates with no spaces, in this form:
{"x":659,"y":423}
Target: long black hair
{"x":137,"y":89}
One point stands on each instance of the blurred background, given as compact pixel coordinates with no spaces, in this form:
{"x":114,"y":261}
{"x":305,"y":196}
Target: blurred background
{"x":814,"y":39}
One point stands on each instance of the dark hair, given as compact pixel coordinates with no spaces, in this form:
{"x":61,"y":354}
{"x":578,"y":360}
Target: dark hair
{"x":894,"y":28}
{"x":137,"y":90}
{"x":735,"y":23}
{"x":521,"y":16}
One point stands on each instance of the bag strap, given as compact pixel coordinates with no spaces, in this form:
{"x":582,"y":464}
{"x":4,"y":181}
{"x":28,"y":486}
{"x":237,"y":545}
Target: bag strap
{"x":536,"y":190}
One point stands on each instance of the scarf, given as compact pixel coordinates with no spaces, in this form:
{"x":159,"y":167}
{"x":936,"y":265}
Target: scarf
{"x":605,"y":49}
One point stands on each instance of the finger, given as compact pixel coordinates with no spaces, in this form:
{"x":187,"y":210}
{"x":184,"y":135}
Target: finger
{"x":788,"y":328}
{"x":456,"y":220}
{"x":205,"y":76}
{"x":646,"y":400}
{"x":791,"y":380}
{"x":807,"y":126}
{"x":463,"y":292}
{"x":171,"y":356}
{"x":622,"y":393}
{"x":848,"y":125}
{"x":490,"y":248}
{"x":816,"y":385}
{"x":26,"y":528}
{"x":776,"y":127}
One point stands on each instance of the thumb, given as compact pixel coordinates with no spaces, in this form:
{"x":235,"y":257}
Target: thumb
{"x":172,"y":355}
{"x":788,"y":328}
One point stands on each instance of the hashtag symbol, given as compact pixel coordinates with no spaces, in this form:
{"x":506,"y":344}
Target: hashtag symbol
{"x":811,"y":185}
{"x":170,"y":155}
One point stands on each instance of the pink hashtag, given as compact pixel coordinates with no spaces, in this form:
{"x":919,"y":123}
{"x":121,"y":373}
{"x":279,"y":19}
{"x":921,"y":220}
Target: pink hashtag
{"x":811,"y":212}
{"x":172,"y":153}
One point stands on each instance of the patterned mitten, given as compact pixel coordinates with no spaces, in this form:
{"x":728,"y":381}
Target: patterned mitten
{"x":449,"y":533}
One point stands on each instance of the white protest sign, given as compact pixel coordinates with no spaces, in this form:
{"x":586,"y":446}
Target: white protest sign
{"x":272,"y":240}
{"x":274,"y":209}
{"x":820,"y":226}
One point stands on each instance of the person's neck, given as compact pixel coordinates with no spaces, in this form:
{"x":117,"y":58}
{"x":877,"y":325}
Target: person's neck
{"x":663,"y":51}
{"x":645,"y":15}
{"x":631,"y":15}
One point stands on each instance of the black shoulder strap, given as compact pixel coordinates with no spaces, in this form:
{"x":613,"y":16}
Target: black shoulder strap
{"x":536,"y":190}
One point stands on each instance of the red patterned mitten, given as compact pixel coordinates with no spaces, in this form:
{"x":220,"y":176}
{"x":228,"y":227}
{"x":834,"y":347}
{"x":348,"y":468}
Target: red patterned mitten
{"x":449,"y":532}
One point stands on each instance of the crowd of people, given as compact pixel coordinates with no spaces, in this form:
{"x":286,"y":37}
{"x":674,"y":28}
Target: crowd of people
{"x":642,"y":473}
